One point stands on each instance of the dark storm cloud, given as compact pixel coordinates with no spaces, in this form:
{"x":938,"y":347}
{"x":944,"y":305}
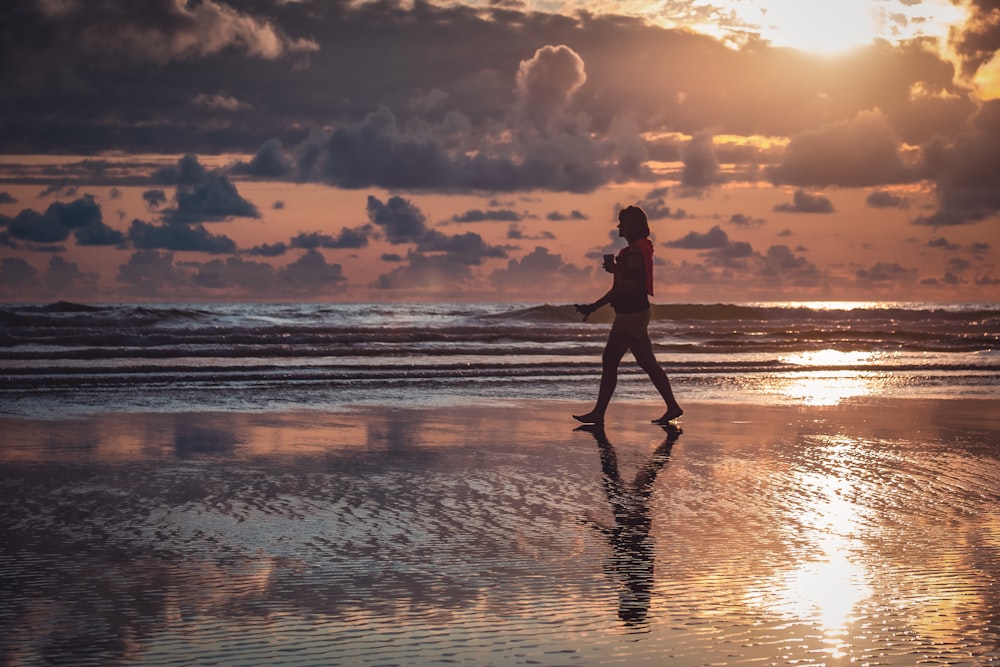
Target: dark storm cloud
{"x":978,"y":41}
{"x":270,"y":161}
{"x":7,"y":198}
{"x":187,"y":171}
{"x":81,"y":217}
{"x":803,"y":202}
{"x":966,"y":171}
{"x":192,"y":238}
{"x":860,"y":152}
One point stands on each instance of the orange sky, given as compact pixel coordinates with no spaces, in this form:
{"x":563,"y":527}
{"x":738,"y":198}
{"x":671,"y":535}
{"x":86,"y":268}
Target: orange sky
{"x":332,"y":151}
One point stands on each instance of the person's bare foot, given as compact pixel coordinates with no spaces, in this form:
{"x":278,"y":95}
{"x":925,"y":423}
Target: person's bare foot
{"x":590,"y":418}
{"x":670,"y":415}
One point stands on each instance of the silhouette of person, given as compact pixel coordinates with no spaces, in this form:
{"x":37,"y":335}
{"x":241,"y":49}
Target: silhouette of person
{"x":632,"y":552}
{"x":629,"y":296}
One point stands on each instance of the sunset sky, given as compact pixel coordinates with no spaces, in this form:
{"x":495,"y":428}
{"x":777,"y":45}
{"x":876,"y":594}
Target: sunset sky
{"x":380,"y":151}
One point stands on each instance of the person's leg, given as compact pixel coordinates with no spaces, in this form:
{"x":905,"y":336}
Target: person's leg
{"x":642,"y":350}
{"x":614,"y":350}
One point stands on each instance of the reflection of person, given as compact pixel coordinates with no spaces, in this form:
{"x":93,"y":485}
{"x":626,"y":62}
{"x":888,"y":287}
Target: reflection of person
{"x":629,"y":296}
{"x":631,"y":546}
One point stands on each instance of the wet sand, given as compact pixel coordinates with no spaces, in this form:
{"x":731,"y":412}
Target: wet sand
{"x":496,"y":534}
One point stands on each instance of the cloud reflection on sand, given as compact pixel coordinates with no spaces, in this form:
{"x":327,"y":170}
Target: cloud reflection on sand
{"x":838,"y":534}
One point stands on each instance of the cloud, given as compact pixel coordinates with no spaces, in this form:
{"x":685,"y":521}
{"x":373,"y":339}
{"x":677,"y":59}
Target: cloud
{"x":65,"y":278}
{"x":270,"y":161}
{"x":151,"y":273}
{"x":154,"y":198}
{"x":311,"y":273}
{"x":860,"y":152}
{"x":212,"y":200}
{"x":268,"y":250}
{"x":942,"y":243}
{"x":356,"y":237}
{"x":557,"y":216}
{"x":468,"y":248}
{"x":803,"y":202}
{"x":539,"y":267}
{"x":714,"y":238}
{"x":220,"y":102}
{"x":701,"y":167}
{"x":16,"y":275}
{"x":885,"y":274}
{"x":82,"y":217}
{"x":966,"y":171}
{"x":234,"y":273}
{"x":546,"y":82}
{"x":491,"y":215}
{"x":187,"y":171}
{"x":743,"y":220}
{"x":7,"y":198}
{"x":157,"y":31}
{"x":886,"y":199}
{"x":433,"y":273}
{"x":180,"y":237}
{"x":399,"y":218}
{"x":657,"y":209}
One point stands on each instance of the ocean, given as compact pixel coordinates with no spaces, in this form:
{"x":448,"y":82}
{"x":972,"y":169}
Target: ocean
{"x":67,"y":358}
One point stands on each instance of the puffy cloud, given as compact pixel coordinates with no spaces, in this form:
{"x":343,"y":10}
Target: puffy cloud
{"x":539,"y":267}
{"x":803,"y":202}
{"x":192,"y":238}
{"x":427,"y":273}
{"x":212,"y":200}
{"x":399,"y":218}
{"x":714,"y":238}
{"x":16,"y":275}
{"x":81,"y":217}
{"x":942,"y":243}
{"x":187,"y":171}
{"x":558,"y":216}
{"x":966,"y":171}
{"x":270,"y":161}
{"x":7,"y":198}
{"x":468,"y":248}
{"x":546,"y":82}
{"x":859,"y":152}
{"x":151,"y":273}
{"x":65,"y":278}
{"x":885,"y":274}
{"x":311,"y":273}
{"x":743,"y":220}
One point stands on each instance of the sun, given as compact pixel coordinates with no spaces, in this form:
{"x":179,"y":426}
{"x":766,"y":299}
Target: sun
{"x":818,"y":26}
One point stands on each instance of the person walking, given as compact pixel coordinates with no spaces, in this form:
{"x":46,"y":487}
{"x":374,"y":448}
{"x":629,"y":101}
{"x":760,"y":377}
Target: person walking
{"x":629,"y":297}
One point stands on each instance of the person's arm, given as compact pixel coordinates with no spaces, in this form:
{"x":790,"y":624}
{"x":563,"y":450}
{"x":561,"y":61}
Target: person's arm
{"x":589,"y":308}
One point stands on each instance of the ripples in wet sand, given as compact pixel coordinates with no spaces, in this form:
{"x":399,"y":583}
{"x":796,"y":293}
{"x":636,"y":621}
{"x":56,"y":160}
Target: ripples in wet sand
{"x":489,"y":535}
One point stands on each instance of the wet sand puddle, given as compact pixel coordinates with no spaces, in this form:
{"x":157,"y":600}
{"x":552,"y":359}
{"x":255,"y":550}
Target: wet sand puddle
{"x":498,"y":537}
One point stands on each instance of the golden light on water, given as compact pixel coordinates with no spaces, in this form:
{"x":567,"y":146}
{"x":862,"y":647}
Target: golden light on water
{"x":829,"y":387}
{"x":825,"y":589}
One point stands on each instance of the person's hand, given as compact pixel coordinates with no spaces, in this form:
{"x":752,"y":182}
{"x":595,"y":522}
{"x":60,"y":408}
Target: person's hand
{"x":585,"y":309}
{"x":609,"y":263}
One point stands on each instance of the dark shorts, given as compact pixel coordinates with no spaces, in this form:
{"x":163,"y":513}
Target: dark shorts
{"x":632,"y":325}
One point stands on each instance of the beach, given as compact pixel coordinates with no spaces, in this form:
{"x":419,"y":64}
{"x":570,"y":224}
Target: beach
{"x":493,"y":531}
